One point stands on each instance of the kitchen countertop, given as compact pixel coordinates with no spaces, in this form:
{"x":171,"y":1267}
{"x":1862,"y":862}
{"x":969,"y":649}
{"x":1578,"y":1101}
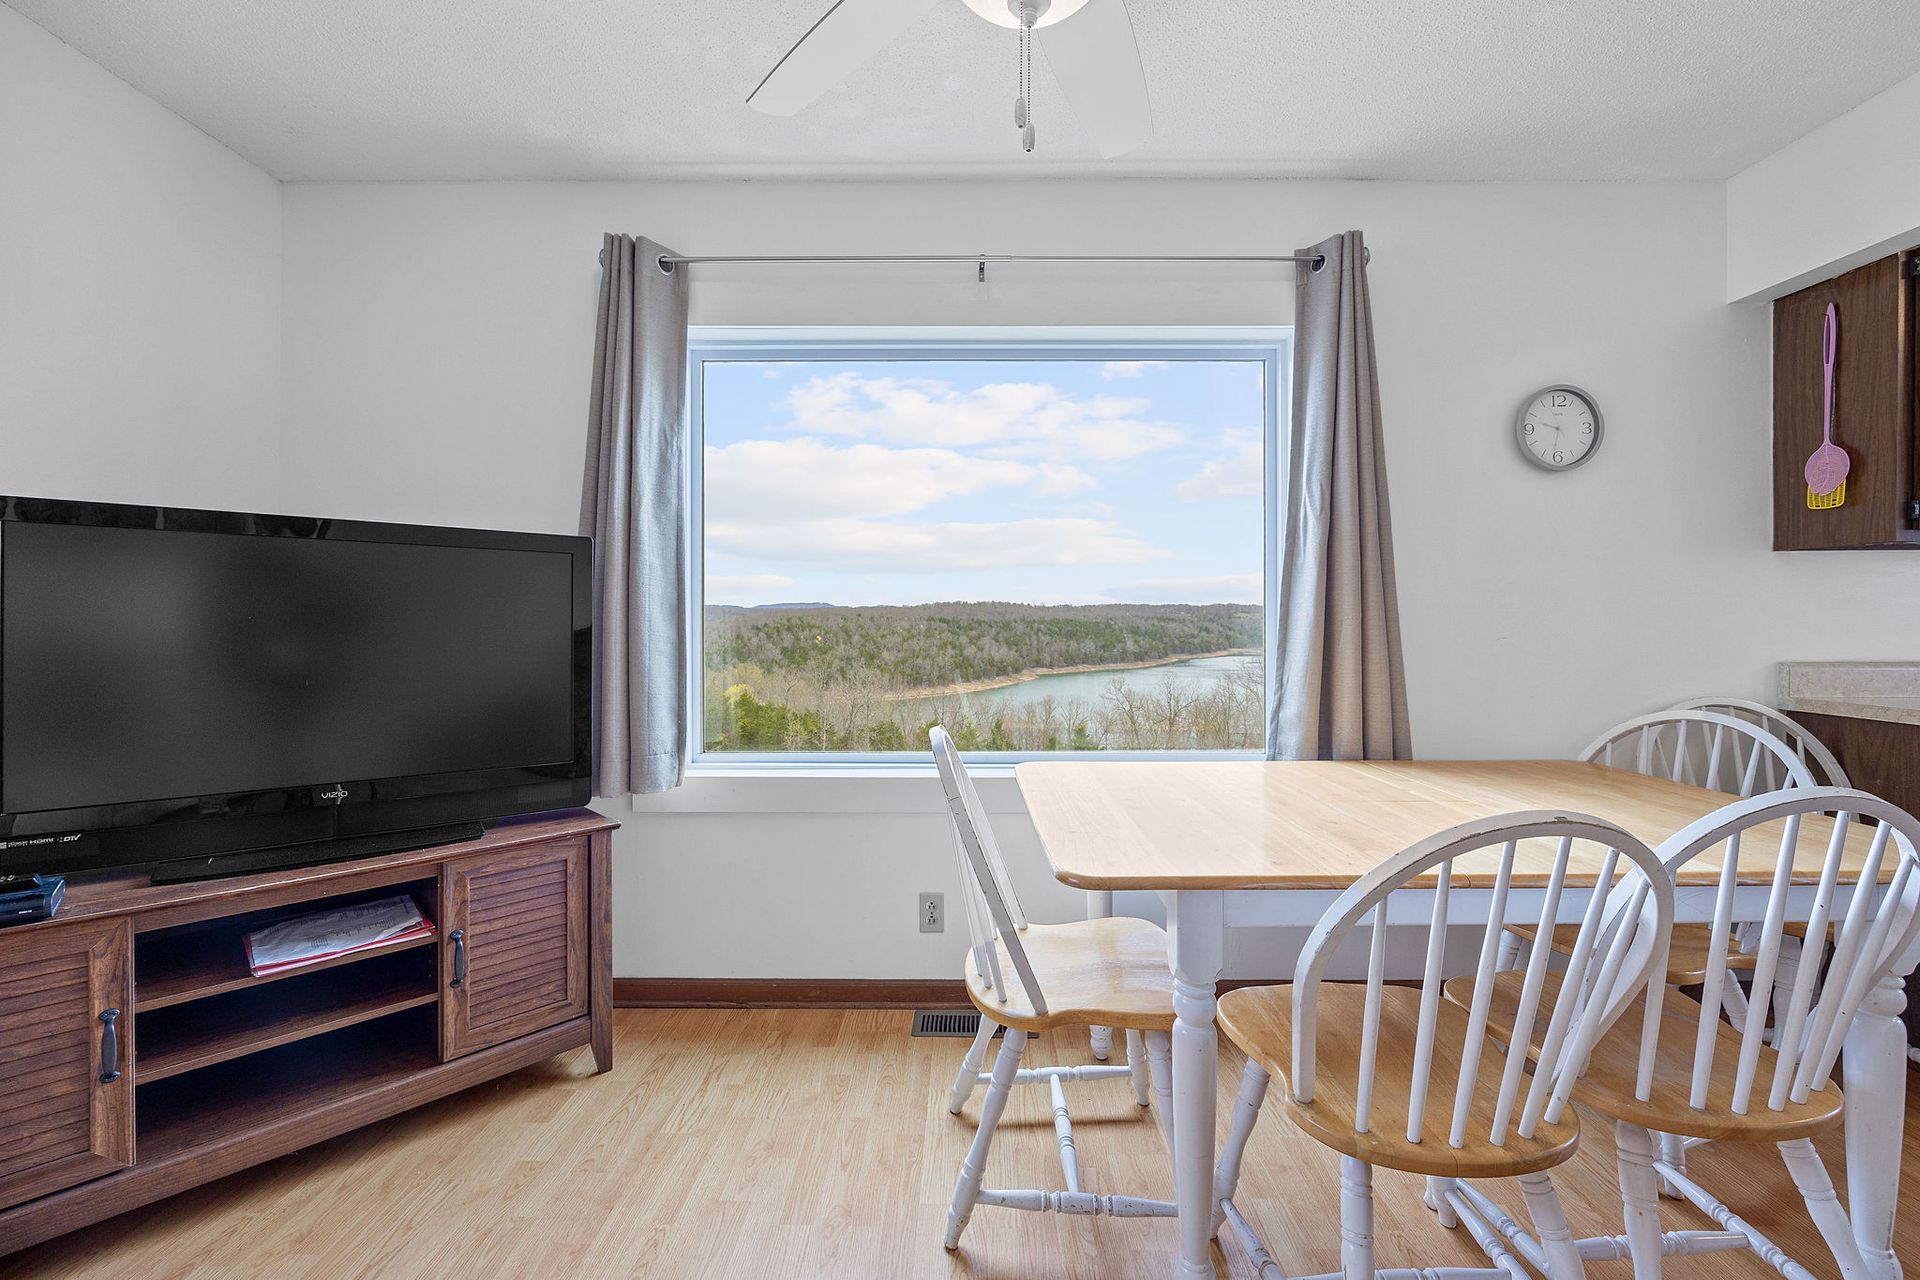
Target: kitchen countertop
{"x":1887,"y":691}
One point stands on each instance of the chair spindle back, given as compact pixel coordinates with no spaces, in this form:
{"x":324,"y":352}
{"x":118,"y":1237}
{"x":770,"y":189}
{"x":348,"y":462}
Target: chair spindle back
{"x":1866,"y":839}
{"x":1623,"y":937}
{"x":1703,"y":749}
{"x":992,"y":908}
{"x":1812,"y":752}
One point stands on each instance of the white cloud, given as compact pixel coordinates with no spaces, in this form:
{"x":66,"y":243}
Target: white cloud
{"x":1222,"y":588}
{"x":1056,"y":478}
{"x":1112,"y":369}
{"x":806,"y":478}
{"x":877,"y":546}
{"x":1239,"y":472}
{"x":746,"y":588}
{"x":1005,"y":419}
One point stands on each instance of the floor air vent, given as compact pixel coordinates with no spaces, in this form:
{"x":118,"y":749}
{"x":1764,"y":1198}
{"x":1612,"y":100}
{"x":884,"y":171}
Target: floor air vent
{"x":946,"y":1022}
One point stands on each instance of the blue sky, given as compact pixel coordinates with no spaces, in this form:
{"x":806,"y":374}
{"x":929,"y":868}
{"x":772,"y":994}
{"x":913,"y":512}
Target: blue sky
{"x":1043,"y":481}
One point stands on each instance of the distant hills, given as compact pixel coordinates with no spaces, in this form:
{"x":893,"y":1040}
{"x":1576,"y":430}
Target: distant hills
{"x":929,"y":645}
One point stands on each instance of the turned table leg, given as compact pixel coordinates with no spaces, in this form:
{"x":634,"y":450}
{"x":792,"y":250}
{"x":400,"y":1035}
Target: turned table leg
{"x":1197,"y":923}
{"x":1875,"y":1084}
{"x":1099,"y":907}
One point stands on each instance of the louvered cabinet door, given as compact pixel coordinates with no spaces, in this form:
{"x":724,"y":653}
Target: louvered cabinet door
{"x":66,"y":1079}
{"x":513,"y":946}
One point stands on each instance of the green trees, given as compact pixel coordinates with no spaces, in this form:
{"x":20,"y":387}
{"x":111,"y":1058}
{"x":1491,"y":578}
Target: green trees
{"x":819,"y":678}
{"x":934,"y":645}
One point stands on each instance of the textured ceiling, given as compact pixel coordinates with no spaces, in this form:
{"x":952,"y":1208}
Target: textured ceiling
{"x":394,"y":89}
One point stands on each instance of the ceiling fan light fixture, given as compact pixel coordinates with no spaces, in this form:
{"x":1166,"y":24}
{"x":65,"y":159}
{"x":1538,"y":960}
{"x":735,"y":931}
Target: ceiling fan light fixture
{"x":1006,"y":13}
{"x":1095,"y":61}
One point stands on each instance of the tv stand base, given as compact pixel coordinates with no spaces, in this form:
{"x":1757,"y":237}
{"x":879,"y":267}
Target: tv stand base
{"x":342,"y":849}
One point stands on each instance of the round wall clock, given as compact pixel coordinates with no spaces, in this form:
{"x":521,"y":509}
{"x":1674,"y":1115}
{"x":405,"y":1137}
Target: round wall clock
{"x":1558,"y":428}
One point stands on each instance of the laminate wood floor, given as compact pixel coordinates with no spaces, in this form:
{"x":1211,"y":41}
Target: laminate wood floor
{"x":796,"y":1144}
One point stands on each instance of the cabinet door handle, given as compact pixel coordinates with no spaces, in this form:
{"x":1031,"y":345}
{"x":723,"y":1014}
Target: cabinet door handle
{"x":109,"y":1046}
{"x":459,"y":939}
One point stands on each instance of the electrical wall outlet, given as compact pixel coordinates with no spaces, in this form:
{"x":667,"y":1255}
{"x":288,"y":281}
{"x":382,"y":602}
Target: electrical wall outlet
{"x":933,"y":913}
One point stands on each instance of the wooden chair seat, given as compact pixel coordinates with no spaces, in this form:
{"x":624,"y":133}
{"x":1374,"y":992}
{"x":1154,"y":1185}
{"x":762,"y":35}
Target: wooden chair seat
{"x":1260,"y":1021}
{"x":1608,"y":1085}
{"x":1686,"y":959}
{"x":1110,"y":971}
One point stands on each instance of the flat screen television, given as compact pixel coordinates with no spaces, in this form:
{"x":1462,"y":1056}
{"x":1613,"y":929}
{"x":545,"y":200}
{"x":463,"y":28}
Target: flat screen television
{"x":177,"y":685}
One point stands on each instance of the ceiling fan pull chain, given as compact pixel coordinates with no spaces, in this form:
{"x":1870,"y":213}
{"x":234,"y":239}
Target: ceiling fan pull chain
{"x":1023,"y":107}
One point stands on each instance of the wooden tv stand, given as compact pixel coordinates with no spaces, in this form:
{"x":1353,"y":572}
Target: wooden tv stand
{"x":138,"y":1057}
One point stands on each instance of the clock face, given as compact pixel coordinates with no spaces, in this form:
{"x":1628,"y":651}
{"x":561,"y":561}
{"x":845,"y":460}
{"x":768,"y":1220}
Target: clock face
{"x":1559,"y":428}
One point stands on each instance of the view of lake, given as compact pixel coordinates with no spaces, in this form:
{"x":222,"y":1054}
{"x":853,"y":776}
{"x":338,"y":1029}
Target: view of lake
{"x":821,"y":677}
{"x":1194,"y":676}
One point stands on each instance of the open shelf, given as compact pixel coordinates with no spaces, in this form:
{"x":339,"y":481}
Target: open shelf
{"x":197,"y":975}
{"x":235,"y":1097}
{"x":194,"y":963}
{"x":192,"y":1036}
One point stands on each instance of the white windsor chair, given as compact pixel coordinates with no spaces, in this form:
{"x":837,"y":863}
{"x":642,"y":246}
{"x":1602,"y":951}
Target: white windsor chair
{"x":1030,"y":978}
{"x":1702,"y":1079}
{"x":1397,"y":1078}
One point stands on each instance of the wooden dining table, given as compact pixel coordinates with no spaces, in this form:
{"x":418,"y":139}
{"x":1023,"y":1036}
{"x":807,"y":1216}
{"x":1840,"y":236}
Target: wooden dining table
{"x":1263,"y":844}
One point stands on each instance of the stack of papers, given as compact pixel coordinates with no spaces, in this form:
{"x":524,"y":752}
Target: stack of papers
{"x":342,"y":931}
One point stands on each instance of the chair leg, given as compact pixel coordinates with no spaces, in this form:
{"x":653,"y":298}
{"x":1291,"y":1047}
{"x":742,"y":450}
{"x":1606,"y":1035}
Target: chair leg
{"x":1786,"y":968}
{"x":1673,"y":1153}
{"x":1510,"y":949}
{"x":1823,"y":1206}
{"x":1436,"y":1200}
{"x":1356,"y":1219}
{"x":1137,"y":1065}
{"x":1733,"y":999}
{"x":1246,"y":1110}
{"x":1100,"y":1040}
{"x":969,"y":1077}
{"x":1160,"y":1067}
{"x":1550,"y":1227}
{"x":1640,"y":1194}
{"x":974,"y":1167}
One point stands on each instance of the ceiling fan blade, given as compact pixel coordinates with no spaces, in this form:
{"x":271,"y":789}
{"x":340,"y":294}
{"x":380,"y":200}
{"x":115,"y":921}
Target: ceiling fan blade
{"x":847,"y":35}
{"x":1096,"y":60}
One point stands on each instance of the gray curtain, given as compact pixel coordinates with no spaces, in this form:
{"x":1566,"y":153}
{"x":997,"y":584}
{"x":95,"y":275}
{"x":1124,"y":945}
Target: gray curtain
{"x":1335,"y":685}
{"x":634,"y":507}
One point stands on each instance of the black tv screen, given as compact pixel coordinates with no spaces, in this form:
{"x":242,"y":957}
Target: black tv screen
{"x":164,"y":670}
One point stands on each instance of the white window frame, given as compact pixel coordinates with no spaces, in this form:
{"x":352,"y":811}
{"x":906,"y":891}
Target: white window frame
{"x":1272,"y":346}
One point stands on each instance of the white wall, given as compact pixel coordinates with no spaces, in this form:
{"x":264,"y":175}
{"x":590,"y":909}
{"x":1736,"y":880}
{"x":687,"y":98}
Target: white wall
{"x":139,"y":293}
{"x":437,"y":355}
{"x":429,"y":362}
{"x":1846,"y":194}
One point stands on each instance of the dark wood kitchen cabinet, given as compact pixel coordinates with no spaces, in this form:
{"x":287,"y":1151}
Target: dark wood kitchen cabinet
{"x":1875,"y":371}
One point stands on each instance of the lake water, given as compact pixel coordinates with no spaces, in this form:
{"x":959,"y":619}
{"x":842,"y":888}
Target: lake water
{"x":1089,"y":687}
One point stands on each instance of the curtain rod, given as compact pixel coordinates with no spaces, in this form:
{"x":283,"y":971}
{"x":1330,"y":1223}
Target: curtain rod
{"x":667,"y":262}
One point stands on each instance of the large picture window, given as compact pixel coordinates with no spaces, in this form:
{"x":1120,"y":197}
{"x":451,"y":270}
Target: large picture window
{"x":1045,"y":543}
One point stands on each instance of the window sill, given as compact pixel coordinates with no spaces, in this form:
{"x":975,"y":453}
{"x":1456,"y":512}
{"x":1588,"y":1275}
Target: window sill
{"x":981,"y":764}
{"x":763,"y":785}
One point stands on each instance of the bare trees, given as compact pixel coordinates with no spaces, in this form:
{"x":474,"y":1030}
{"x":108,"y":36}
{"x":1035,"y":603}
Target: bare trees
{"x":822,"y":679}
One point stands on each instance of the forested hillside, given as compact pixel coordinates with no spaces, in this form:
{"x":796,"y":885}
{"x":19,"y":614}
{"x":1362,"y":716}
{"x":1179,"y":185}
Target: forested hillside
{"x":822,"y":678}
{"x":933,"y":645}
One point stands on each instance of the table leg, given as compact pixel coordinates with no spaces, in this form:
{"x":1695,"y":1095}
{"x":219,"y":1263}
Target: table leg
{"x":1099,"y":907}
{"x":1196,"y":921}
{"x":1875,"y":1084}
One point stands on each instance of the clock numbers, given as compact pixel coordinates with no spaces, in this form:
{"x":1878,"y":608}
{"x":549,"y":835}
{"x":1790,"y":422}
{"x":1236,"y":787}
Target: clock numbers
{"x":1559,"y":428}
